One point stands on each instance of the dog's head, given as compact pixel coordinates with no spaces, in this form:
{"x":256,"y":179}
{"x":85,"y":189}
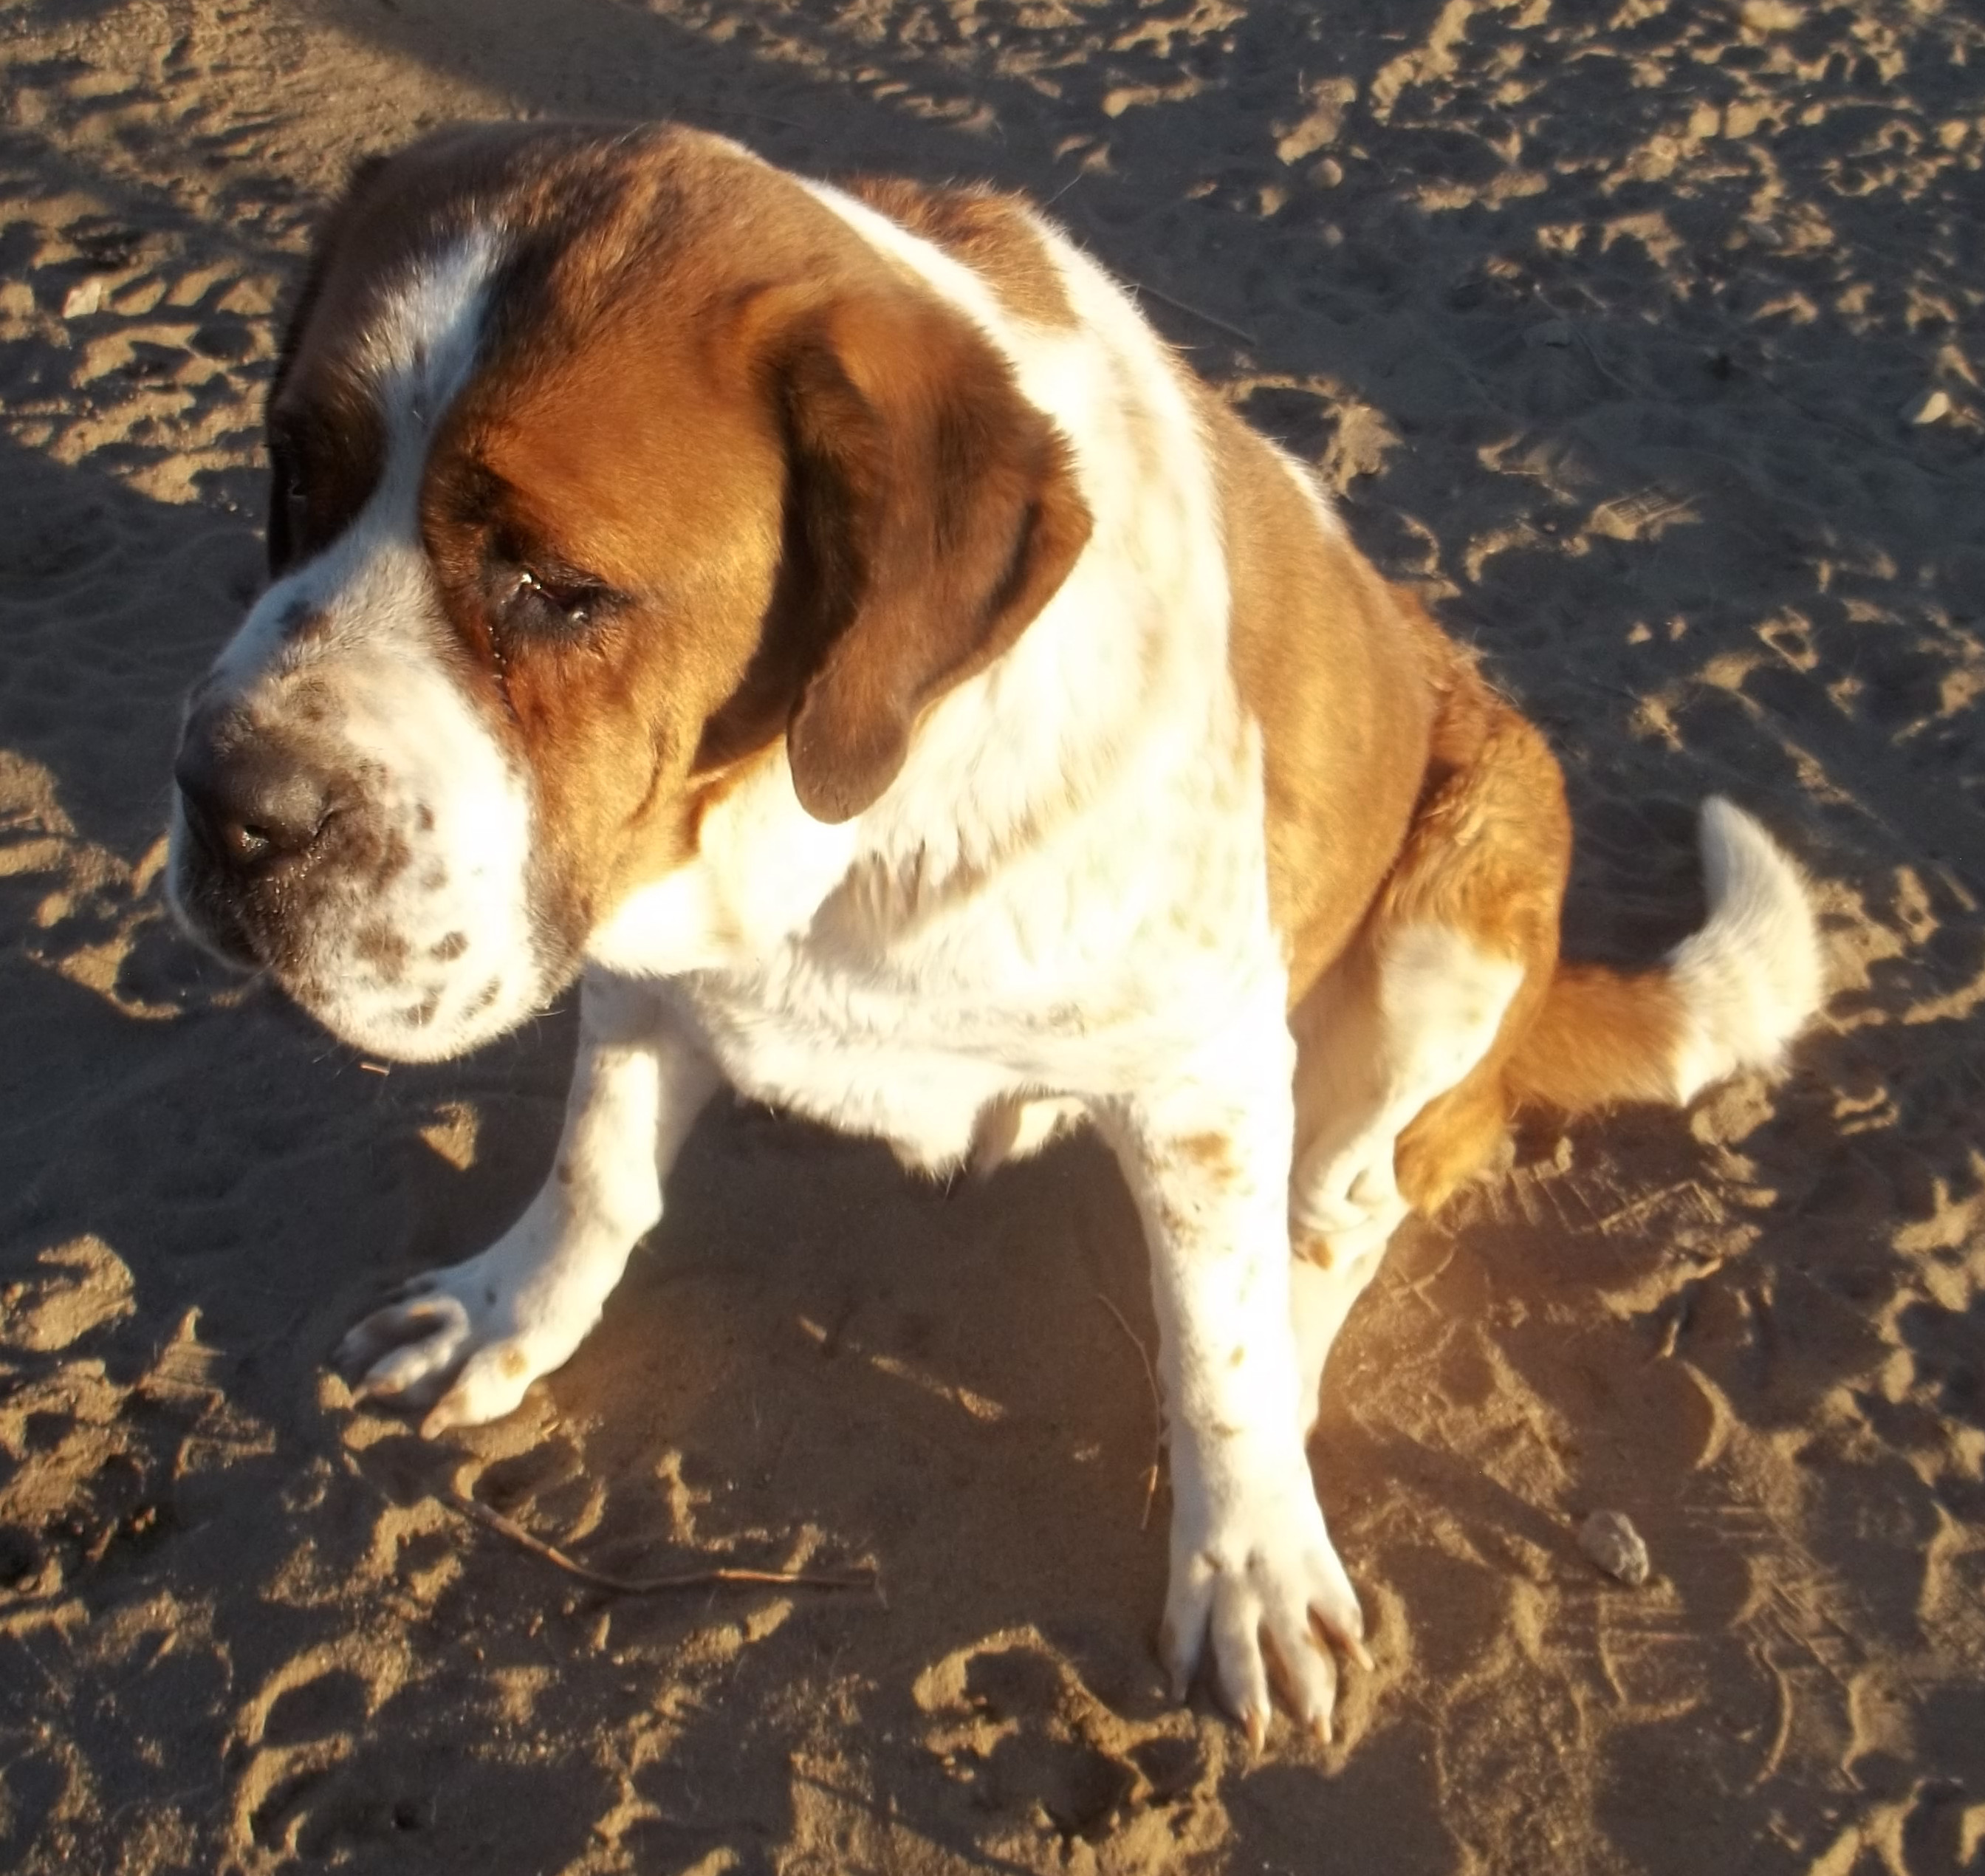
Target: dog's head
{"x":603,"y":464}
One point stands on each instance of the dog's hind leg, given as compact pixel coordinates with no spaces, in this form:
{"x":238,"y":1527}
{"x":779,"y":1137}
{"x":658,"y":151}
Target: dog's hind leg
{"x":1400,"y":1049}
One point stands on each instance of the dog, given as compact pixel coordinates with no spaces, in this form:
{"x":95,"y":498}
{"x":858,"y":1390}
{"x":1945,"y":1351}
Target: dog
{"x":830,"y":626}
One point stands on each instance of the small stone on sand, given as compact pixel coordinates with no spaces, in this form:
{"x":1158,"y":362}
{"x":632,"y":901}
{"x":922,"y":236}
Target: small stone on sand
{"x":1609,"y":1540}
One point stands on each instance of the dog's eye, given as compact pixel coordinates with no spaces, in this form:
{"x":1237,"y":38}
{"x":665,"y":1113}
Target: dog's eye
{"x":549,"y":604}
{"x":289,"y":508}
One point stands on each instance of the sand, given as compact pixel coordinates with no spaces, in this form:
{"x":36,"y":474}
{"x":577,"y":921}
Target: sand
{"x":1647,"y":343}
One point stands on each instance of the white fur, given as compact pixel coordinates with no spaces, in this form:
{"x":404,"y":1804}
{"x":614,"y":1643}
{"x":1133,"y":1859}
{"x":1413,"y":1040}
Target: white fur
{"x":1102,"y":786}
{"x":1749,"y":979}
{"x":418,"y":351}
{"x":1016,"y":1128}
{"x":1441,"y":1001}
{"x":375,"y":657}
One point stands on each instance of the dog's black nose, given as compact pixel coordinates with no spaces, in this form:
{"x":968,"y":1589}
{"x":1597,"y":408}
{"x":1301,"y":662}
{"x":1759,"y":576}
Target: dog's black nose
{"x":250,"y":805}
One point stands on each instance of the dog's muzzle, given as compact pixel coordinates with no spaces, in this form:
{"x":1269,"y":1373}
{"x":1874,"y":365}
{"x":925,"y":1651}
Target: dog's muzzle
{"x":257,"y":809}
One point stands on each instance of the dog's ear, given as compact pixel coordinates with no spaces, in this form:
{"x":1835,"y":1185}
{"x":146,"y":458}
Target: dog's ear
{"x":934,"y":512}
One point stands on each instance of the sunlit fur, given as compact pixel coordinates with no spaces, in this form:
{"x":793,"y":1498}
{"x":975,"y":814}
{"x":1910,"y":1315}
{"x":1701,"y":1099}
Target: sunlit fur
{"x":1074,"y":900}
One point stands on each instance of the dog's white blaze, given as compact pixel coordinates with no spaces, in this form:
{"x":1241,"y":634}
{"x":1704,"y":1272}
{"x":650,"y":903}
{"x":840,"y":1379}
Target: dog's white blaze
{"x":441,"y":957}
{"x":418,"y":352}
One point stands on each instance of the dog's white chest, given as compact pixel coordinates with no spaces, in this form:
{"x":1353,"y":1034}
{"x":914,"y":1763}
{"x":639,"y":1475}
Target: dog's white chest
{"x":854,"y":1058}
{"x":1014,"y":992}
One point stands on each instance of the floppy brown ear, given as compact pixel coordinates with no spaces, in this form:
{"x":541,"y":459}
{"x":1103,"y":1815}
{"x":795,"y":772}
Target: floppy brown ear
{"x":937,"y":512}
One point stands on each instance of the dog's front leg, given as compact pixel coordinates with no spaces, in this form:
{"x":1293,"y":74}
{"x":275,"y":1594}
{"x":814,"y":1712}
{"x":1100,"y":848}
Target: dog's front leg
{"x":465,"y":1342}
{"x":1253,"y":1570}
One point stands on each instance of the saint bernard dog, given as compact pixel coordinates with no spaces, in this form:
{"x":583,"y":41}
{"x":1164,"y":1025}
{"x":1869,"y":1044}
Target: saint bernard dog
{"x":831,"y":627}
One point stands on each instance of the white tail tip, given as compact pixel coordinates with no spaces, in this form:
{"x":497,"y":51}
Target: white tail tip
{"x":1750,"y":978}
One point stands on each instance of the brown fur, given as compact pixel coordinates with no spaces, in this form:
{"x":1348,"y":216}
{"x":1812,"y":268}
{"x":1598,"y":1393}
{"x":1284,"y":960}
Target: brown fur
{"x":1601,"y":1036}
{"x":1402,"y":790}
{"x":849,"y":509}
{"x":1489,"y":855}
{"x":942,"y":514}
{"x":1327,"y":663}
{"x":990,"y":233}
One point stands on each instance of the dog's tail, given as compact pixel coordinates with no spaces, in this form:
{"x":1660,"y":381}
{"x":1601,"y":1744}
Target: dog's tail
{"x":1730,"y":996}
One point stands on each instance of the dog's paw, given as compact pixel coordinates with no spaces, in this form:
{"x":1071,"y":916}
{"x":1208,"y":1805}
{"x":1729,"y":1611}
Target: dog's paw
{"x":462,"y":1344}
{"x":1262,"y":1584}
{"x":1350,"y":1201}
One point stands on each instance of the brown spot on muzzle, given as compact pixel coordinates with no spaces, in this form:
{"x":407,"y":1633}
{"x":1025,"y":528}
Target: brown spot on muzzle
{"x":383,"y":949}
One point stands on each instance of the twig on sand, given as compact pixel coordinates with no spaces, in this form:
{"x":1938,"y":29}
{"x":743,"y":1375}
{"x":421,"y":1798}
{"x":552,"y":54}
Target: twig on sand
{"x":1157,"y":1409}
{"x":474,"y":1509}
{"x":1592,"y":351}
{"x":1199,"y":313}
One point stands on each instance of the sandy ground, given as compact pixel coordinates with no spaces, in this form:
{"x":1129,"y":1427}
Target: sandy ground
{"x":1610,"y":326}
